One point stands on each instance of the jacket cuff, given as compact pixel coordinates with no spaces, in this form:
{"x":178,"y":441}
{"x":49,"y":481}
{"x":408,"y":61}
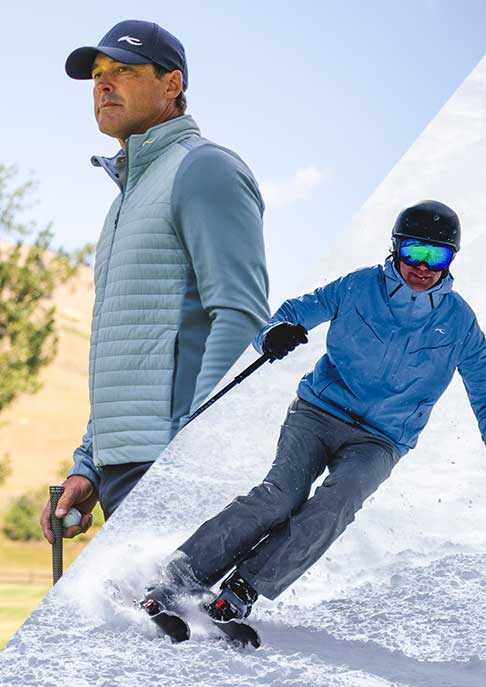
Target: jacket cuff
{"x":84,"y":467}
{"x":258,"y":340}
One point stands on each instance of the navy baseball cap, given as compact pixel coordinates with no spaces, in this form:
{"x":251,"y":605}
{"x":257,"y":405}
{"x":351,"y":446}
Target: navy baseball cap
{"x":131,"y":42}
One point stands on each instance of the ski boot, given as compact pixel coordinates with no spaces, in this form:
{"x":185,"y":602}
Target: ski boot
{"x":234,"y":602}
{"x":176,"y":583}
{"x":162,"y":603}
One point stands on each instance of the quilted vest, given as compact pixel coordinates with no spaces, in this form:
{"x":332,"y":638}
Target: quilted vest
{"x":141,"y":272}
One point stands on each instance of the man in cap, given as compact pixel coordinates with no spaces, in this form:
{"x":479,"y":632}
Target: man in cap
{"x":180,"y":275}
{"x":397,"y":334}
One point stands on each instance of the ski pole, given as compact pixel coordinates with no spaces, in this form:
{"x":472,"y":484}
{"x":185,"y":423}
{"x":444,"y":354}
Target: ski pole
{"x":239,"y":378}
{"x":55,"y":494}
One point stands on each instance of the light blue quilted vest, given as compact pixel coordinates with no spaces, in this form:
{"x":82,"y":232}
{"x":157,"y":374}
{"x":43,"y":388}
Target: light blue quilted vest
{"x":140,"y":276}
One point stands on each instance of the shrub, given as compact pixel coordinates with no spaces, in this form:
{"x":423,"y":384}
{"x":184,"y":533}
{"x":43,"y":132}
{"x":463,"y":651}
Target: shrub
{"x":21,"y":521}
{"x":5,"y":468}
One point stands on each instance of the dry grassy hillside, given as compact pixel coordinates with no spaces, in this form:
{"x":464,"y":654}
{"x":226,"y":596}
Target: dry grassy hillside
{"x":39,"y":432}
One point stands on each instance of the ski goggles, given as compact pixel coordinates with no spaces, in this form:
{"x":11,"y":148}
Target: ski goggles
{"x":414,"y":252}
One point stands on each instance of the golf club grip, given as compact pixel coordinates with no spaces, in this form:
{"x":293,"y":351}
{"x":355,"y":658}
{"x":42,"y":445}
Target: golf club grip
{"x":55,"y":494}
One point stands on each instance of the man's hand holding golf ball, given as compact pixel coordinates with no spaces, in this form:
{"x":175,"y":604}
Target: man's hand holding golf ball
{"x":75,"y":506}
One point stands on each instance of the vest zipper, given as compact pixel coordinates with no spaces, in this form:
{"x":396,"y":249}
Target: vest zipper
{"x":108,"y":260}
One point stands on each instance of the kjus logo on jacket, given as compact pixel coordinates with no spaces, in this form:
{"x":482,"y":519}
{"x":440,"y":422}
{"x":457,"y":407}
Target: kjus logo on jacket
{"x":131,"y":40}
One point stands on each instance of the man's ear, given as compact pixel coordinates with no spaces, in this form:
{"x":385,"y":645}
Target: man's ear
{"x":174,"y":84}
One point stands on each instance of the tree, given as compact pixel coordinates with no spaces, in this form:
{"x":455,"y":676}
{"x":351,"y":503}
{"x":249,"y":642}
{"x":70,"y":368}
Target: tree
{"x":29,"y":274}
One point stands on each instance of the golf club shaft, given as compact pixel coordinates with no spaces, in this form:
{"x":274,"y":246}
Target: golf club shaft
{"x":55,"y":494}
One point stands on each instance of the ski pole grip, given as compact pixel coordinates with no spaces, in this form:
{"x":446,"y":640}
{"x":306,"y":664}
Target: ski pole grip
{"x":55,"y":494}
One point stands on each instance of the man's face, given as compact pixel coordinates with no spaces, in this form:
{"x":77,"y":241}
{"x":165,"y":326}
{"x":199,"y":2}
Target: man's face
{"x":129,"y":98}
{"x":419,"y":277}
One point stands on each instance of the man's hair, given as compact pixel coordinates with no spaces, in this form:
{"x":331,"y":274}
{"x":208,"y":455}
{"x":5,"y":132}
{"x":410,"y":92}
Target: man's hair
{"x":180,"y":101}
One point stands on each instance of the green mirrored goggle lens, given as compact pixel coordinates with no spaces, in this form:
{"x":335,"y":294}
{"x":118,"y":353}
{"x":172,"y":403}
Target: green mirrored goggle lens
{"x":414,"y":252}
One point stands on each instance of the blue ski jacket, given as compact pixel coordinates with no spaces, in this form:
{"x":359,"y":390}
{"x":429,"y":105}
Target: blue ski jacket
{"x":391,"y":351}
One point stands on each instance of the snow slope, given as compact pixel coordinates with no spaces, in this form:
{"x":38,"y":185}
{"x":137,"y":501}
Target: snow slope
{"x":400,"y":599}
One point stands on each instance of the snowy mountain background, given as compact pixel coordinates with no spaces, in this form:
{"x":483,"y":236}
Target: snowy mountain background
{"x":400,"y":599}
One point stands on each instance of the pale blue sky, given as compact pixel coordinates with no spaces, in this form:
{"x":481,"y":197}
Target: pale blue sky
{"x":337,"y":90}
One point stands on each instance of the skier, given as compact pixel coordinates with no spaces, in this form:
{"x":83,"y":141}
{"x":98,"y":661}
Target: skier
{"x":398,"y":332}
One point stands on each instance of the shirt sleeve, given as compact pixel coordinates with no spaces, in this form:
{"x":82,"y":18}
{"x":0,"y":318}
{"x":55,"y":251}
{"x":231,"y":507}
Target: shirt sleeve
{"x":309,"y":310}
{"x":83,"y":459}
{"x":472,"y":369}
{"x":218,"y":209}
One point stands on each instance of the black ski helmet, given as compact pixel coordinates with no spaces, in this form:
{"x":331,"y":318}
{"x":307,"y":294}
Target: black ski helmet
{"x":431,"y":221}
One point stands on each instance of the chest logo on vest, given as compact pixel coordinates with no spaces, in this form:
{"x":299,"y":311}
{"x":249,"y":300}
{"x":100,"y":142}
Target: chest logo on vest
{"x":441,"y":331}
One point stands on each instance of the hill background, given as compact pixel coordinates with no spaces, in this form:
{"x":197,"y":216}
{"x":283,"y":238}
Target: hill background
{"x":39,"y":432}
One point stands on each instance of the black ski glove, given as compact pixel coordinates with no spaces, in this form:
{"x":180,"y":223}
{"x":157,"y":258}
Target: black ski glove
{"x":283,"y":338}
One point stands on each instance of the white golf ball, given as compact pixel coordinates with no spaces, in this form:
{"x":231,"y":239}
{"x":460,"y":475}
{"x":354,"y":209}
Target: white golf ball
{"x":72,"y":517}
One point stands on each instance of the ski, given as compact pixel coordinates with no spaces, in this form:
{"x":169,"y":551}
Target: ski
{"x":174,"y":626}
{"x":240,"y":633}
{"x":237,"y":631}
{"x":171,"y":623}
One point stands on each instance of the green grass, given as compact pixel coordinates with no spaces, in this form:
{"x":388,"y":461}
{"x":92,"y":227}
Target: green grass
{"x":30,"y":558}
{"x":26,"y":575}
{"x":17,"y":601}
{"x":25,"y":579}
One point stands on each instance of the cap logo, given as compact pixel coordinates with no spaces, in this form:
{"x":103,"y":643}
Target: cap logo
{"x":131,"y":40}
{"x":436,"y":218}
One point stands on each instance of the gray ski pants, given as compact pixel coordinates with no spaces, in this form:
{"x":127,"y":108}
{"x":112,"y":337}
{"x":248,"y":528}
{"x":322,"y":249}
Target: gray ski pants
{"x":275,"y":532}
